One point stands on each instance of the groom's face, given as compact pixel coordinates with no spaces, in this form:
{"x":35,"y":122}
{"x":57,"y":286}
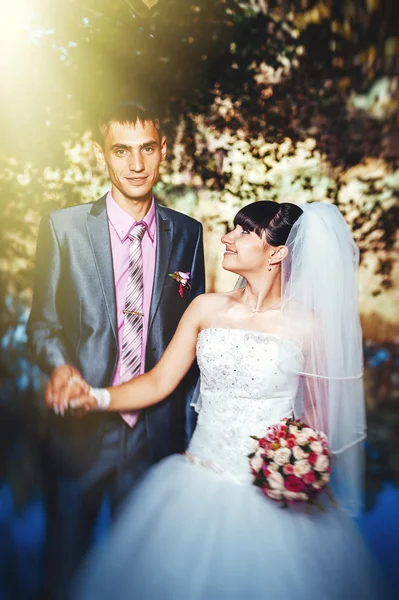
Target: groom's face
{"x":132,"y":154}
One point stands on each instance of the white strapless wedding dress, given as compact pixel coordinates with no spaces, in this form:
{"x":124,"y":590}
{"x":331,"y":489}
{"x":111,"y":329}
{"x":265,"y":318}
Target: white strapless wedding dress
{"x":197,"y":529}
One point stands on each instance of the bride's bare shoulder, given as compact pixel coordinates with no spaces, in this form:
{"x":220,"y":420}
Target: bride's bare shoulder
{"x":213,"y":301}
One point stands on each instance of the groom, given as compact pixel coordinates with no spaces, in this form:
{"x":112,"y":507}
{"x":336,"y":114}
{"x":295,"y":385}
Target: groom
{"x":104,"y":310}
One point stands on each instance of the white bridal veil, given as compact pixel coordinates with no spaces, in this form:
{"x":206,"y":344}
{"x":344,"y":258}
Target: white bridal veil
{"x":321,"y":323}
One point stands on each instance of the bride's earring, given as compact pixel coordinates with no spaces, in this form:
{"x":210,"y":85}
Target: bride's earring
{"x":269,"y":266}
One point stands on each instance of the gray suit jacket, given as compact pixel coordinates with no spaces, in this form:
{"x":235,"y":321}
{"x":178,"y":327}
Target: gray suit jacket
{"x":73,"y":320}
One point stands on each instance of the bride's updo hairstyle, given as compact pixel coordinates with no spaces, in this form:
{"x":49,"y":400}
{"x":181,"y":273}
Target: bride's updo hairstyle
{"x":270,"y":218}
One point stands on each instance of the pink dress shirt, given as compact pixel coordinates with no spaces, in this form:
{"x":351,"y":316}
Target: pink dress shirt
{"x":120,"y":225}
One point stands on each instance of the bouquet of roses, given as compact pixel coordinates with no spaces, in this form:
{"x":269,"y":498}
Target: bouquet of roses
{"x":292,"y":462}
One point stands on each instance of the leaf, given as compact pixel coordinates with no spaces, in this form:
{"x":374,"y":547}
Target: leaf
{"x":150,"y":3}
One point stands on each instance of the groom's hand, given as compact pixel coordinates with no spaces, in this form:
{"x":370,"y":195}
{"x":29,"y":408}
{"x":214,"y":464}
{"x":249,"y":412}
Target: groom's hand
{"x":65,"y":384}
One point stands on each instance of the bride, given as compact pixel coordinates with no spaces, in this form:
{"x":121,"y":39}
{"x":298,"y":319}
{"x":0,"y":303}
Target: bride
{"x":286,"y":343}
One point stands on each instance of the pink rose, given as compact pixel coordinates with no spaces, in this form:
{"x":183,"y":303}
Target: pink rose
{"x":182,"y":279}
{"x":309,"y":477}
{"x":312,"y":458}
{"x":294,"y":484}
{"x":184,"y":276}
{"x":291,"y":442}
{"x":288,"y":469}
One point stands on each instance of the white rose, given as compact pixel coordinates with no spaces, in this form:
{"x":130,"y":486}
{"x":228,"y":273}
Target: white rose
{"x":270,"y":453}
{"x":322,"y":463}
{"x":256,"y":462}
{"x":302,"y":438}
{"x":316,"y":447}
{"x":282,"y":442}
{"x":273,"y":466}
{"x":293,"y":429}
{"x":282,"y":456}
{"x":298,"y":453}
{"x":275,"y":495}
{"x":295,"y":495}
{"x":308,"y":432}
{"x":276,"y":481}
{"x":301,"y":467}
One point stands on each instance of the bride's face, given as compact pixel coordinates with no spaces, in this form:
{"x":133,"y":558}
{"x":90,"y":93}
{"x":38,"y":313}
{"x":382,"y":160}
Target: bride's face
{"x":245,"y":251}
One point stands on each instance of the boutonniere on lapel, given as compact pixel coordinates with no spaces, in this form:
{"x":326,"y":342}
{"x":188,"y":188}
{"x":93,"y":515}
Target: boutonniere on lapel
{"x":183,"y":279}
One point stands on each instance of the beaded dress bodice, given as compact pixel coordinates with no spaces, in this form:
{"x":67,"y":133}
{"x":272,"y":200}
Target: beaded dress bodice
{"x":242,"y":392}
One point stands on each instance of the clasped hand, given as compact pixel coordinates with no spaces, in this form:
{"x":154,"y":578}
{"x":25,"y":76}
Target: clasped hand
{"x":67,"y":392}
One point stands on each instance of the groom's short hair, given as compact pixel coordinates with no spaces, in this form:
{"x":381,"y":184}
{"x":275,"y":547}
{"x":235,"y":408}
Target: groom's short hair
{"x":127,"y":112}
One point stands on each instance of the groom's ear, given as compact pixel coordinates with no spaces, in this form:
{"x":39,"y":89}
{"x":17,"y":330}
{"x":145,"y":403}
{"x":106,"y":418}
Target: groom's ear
{"x":164,"y":147}
{"x":99,"y":154}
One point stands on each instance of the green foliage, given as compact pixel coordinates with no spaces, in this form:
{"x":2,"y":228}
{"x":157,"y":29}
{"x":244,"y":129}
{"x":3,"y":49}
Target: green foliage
{"x":278,"y":99}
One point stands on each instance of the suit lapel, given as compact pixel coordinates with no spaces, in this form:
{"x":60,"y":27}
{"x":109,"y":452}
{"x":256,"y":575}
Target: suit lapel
{"x":163,"y":253}
{"x":98,"y":230}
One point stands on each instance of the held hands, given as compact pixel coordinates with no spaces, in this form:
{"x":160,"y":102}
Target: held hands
{"x":67,"y":391}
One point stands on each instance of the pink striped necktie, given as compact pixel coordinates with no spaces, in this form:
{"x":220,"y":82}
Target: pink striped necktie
{"x":133,"y":325}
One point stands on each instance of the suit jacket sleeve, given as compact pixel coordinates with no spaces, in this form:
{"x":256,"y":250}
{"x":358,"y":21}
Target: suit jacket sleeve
{"x":44,"y":329}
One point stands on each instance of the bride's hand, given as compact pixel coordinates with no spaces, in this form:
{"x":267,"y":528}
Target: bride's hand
{"x":93,"y":399}
{"x":83,"y":403}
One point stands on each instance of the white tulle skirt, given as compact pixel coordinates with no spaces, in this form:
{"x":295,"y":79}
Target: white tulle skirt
{"x":189,"y":533}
